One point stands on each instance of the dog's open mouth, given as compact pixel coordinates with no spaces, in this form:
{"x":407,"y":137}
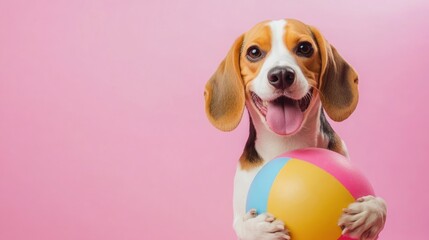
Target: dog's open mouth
{"x":284,"y":115}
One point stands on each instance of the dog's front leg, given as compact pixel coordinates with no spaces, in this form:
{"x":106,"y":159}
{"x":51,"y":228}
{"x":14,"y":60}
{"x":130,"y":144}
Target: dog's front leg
{"x":365,"y":218}
{"x":250,"y":225}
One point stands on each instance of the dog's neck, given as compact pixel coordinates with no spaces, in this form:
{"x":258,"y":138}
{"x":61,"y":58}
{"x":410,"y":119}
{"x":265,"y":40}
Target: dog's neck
{"x":269,"y":145}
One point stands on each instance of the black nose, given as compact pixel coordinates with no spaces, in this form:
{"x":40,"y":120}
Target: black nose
{"x":281,"y":77}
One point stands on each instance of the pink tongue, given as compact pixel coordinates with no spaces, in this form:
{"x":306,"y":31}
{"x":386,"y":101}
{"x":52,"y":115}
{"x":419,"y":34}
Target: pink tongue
{"x":284,"y":118}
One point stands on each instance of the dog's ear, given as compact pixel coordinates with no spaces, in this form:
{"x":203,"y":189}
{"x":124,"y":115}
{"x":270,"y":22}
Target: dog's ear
{"x":224,"y":92}
{"x":338,"y":81}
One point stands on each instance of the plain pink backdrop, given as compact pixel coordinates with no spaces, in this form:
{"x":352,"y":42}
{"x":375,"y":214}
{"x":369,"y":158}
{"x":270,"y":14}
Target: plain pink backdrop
{"x":103,"y":133}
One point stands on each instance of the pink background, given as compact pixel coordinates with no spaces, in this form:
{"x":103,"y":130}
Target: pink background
{"x":103,"y":133}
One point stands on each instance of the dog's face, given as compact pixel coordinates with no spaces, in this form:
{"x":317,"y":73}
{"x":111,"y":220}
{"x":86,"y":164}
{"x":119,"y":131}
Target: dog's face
{"x":282,"y":68}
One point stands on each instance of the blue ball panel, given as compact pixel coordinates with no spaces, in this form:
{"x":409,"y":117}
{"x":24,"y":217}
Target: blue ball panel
{"x":259,"y":191}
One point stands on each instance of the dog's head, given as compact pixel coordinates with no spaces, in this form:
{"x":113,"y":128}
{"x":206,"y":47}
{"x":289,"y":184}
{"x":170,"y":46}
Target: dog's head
{"x":281,"y":68}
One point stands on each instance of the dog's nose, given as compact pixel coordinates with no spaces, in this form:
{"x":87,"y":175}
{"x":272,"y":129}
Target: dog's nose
{"x":281,"y":77}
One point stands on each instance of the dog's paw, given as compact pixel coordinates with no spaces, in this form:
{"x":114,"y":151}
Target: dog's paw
{"x":262,"y":227}
{"x":364,"y":219}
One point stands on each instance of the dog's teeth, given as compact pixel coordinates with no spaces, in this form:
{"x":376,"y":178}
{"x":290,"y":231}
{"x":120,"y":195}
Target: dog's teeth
{"x":265,"y":103}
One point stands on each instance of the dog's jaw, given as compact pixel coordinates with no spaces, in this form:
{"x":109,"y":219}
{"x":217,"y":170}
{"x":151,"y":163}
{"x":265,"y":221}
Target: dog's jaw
{"x":302,"y":103}
{"x":293,"y":109}
{"x":269,"y":144}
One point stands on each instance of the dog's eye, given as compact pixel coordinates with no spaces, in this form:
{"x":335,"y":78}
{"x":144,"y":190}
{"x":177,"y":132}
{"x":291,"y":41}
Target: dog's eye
{"x":304,"y":49}
{"x":254,"y":54}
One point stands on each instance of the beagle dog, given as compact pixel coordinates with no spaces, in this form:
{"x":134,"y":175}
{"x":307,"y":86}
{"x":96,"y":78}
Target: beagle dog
{"x":287,"y":75}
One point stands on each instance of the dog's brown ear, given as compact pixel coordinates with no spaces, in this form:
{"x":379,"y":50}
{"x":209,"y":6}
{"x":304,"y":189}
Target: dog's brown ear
{"x":338,"y":81}
{"x":224,"y":92}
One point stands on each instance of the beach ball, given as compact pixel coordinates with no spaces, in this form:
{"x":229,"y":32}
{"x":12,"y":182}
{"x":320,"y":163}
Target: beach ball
{"x":308,"y":189}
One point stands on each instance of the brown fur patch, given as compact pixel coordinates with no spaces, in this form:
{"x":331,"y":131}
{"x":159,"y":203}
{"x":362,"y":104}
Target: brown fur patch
{"x":334,"y":141}
{"x":297,"y":32}
{"x":250,"y":158}
{"x":260,"y":36}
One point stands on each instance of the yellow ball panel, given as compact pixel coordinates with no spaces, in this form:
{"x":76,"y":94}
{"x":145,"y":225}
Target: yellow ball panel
{"x":308,"y":200}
